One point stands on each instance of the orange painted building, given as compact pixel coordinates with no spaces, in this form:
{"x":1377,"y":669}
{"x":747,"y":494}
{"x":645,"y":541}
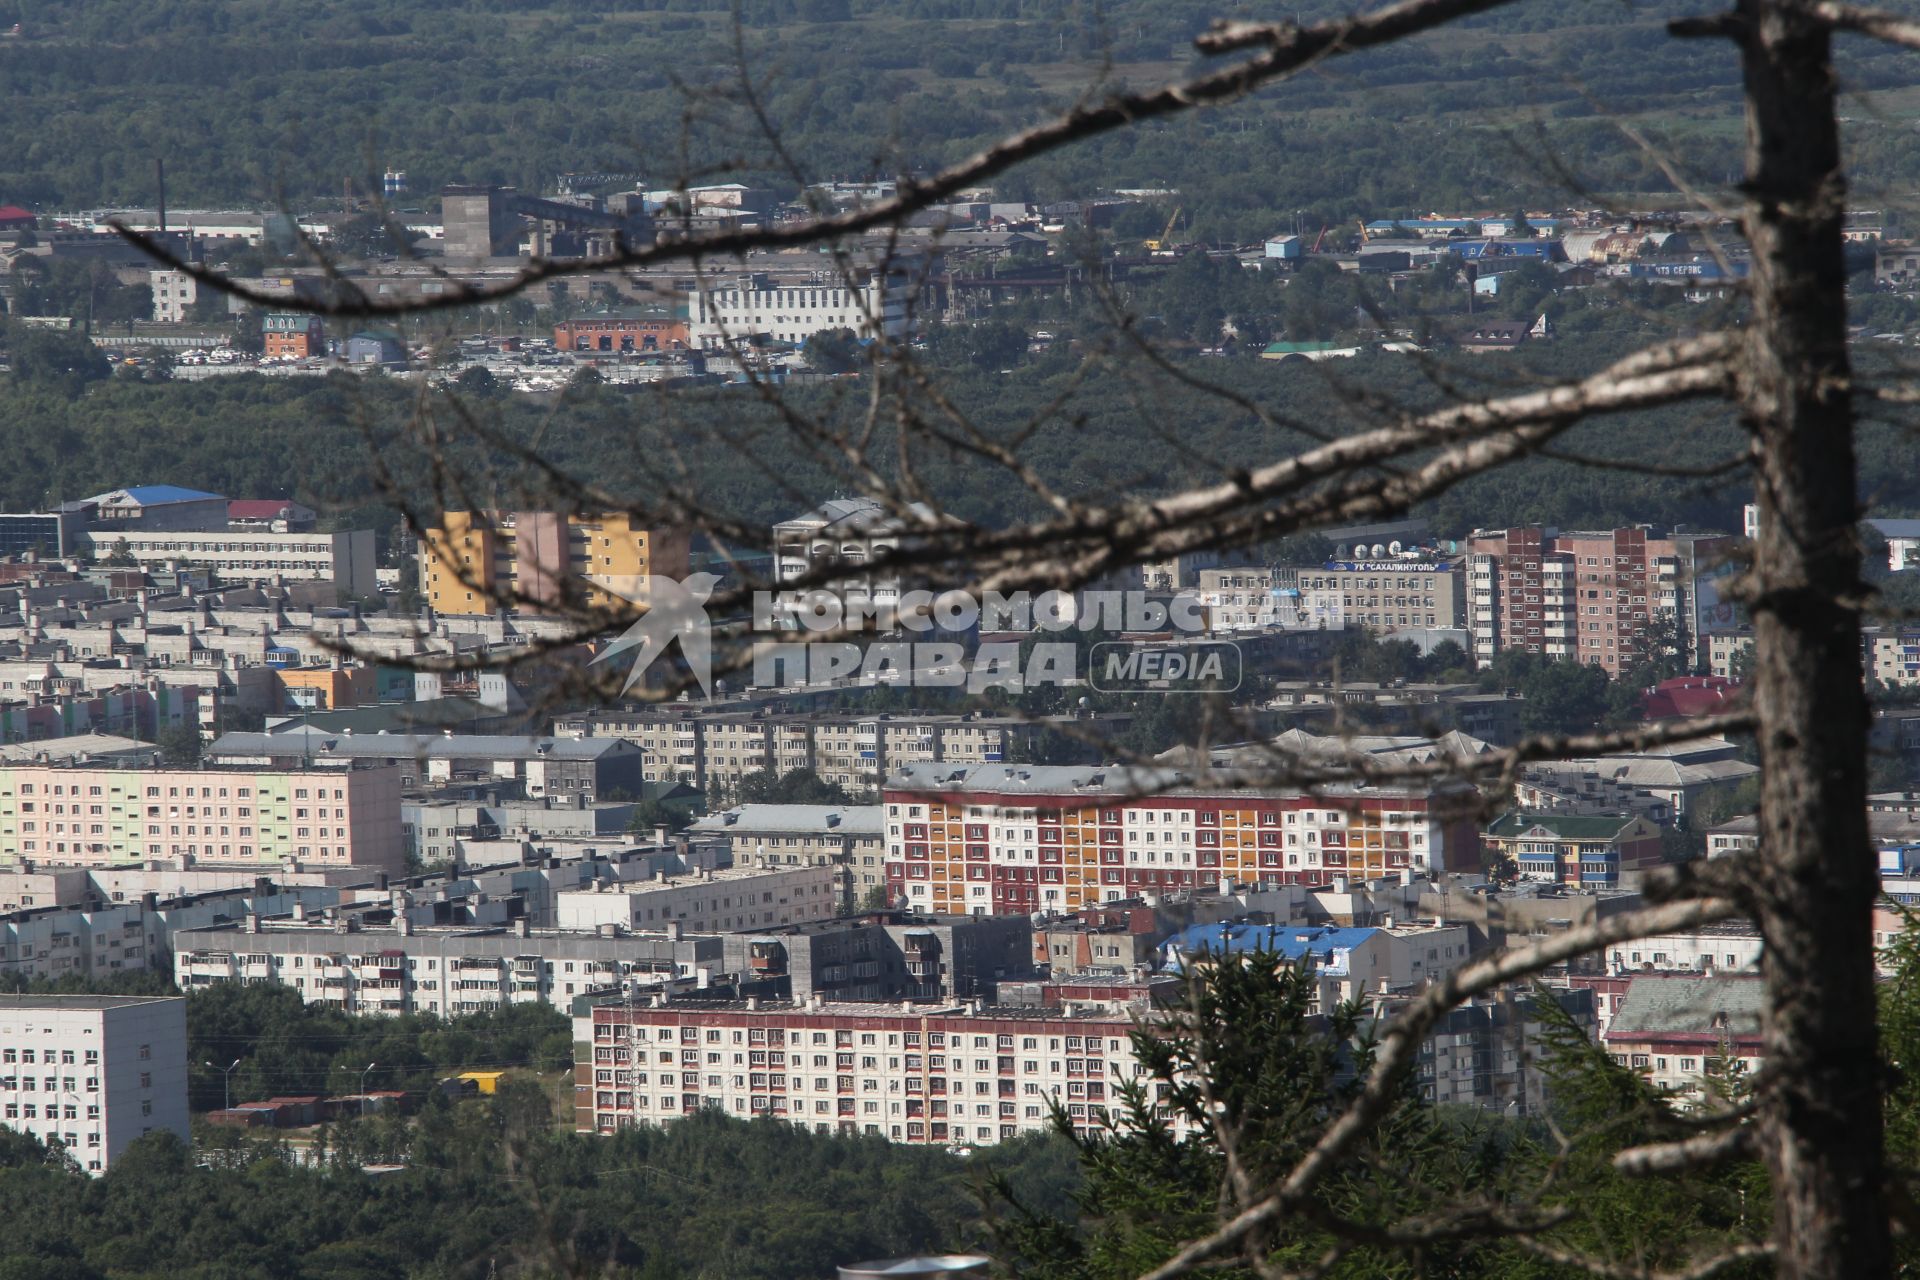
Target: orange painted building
{"x":542,"y":559}
{"x":333,"y":687}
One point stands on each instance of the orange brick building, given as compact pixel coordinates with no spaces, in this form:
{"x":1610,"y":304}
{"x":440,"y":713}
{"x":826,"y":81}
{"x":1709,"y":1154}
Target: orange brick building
{"x":614,"y":332}
{"x":293,"y":333}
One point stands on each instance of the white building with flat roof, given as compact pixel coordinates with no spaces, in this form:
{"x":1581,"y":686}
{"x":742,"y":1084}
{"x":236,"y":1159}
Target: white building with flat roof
{"x":346,"y":558}
{"x":709,"y":902}
{"x":93,"y":1073}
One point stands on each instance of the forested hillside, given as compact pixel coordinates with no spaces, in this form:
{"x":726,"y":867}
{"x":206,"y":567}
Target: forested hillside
{"x":246,"y":105}
{"x":249,"y":436}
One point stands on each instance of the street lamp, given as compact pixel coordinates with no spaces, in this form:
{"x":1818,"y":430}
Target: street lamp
{"x":363,"y":1088}
{"x":226,"y":1081}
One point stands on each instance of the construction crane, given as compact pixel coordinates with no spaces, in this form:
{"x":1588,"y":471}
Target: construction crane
{"x":1320,"y":239}
{"x":1166,"y":237}
{"x":1364,"y":237}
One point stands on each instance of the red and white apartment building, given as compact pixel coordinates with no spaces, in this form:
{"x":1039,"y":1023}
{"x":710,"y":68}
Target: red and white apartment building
{"x":956,"y":1076}
{"x":1009,"y":839}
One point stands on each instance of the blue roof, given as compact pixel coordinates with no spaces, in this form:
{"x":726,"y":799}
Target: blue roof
{"x":1290,"y":942}
{"x":153,"y":495}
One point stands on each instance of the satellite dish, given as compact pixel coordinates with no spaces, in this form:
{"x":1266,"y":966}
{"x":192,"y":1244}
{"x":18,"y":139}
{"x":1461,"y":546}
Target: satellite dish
{"x":1378,"y":551}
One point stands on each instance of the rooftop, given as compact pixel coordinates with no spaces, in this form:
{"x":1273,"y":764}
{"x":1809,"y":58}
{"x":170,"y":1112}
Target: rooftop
{"x":746,"y":819}
{"x":1675,"y":1006}
{"x":30,"y":1004}
{"x":153,"y":495}
{"x":383,"y":745}
{"x":1565,"y":826}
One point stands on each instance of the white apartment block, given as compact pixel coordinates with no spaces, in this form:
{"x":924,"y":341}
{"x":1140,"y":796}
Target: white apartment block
{"x":444,"y":970}
{"x":767,"y":836}
{"x":174,"y":293}
{"x":959,"y":1076}
{"x":93,"y":1073}
{"x":708,"y":902}
{"x":1732,"y":947}
{"x":793,"y":306}
{"x":346,"y":558}
{"x":719,"y":750}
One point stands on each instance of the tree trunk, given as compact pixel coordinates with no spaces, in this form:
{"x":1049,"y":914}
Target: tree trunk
{"x":1820,"y":1115}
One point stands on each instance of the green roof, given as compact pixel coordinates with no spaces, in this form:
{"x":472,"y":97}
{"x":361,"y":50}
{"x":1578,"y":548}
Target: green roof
{"x":1564,"y":825}
{"x":1301,"y":348}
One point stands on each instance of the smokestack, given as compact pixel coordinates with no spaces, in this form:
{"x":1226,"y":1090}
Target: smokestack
{"x":160,"y":180}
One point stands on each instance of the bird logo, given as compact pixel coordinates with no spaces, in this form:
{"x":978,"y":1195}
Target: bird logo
{"x":673,"y":609}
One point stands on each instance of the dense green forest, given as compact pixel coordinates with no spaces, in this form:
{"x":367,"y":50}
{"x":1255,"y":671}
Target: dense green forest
{"x":246,"y":106}
{"x":1103,"y":430}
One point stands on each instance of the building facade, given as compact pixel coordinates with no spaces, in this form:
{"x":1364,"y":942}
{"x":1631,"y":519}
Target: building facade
{"x":962,"y":1076}
{"x":788,"y":835}
{"x":346,"y":558}
{"x":1589,"y":597}
{"x":708,"y":902}
{"x":93,"y":1074}
{"x":542,"y":560}
{"x":1000,"y":838}
{"x":441,"y":970}
{"x":294,"y":335}
{"x":89,"y":816}
{"x":793,"y":306}
{"x":1598,"y":850}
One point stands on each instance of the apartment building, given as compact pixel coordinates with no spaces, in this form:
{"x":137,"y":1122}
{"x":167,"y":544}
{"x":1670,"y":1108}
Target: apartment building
{"x":1725,"y":947}
{"x":85,"y":815}
{"x":385,"y":970}
{"x":789,"y":835}
{"x":1688,"y":1034}
{"x":882,"y":956}
{"x":93,"y":1074}
{"x":345,"y":558}
{"x":715,"y":751}
{"x":1005,"y":838}
{"x":961,"y":1076}
{"x":566,"y":769}
{"x":1588,"y":597}
{"x":1599,"y":850}
{"x":708,"y":901}
{"x":1348,"y":963}
{"x":839,"y":538}
{"x":174,"y":293}
{"x":542,"y":560}
{"x":1485,"y":1053}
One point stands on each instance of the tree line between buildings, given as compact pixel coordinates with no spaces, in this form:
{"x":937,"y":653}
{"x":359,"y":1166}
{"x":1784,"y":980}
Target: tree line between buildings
{"x":498,"y":1187}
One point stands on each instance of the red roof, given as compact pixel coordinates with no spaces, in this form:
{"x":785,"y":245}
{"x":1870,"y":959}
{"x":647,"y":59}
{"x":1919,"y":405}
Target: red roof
{"x":256,"y":508}
{"x":14,"y":213}
{"x":1686,"y":697}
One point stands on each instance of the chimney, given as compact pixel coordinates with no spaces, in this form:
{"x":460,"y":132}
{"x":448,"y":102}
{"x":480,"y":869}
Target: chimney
{"x":520,"y":927}
{"x":299,"y":911}
{"x":253,"y":922}
{"x":673,"y":931}
{"x":160,"y":183}
{"x":403,"y":924}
